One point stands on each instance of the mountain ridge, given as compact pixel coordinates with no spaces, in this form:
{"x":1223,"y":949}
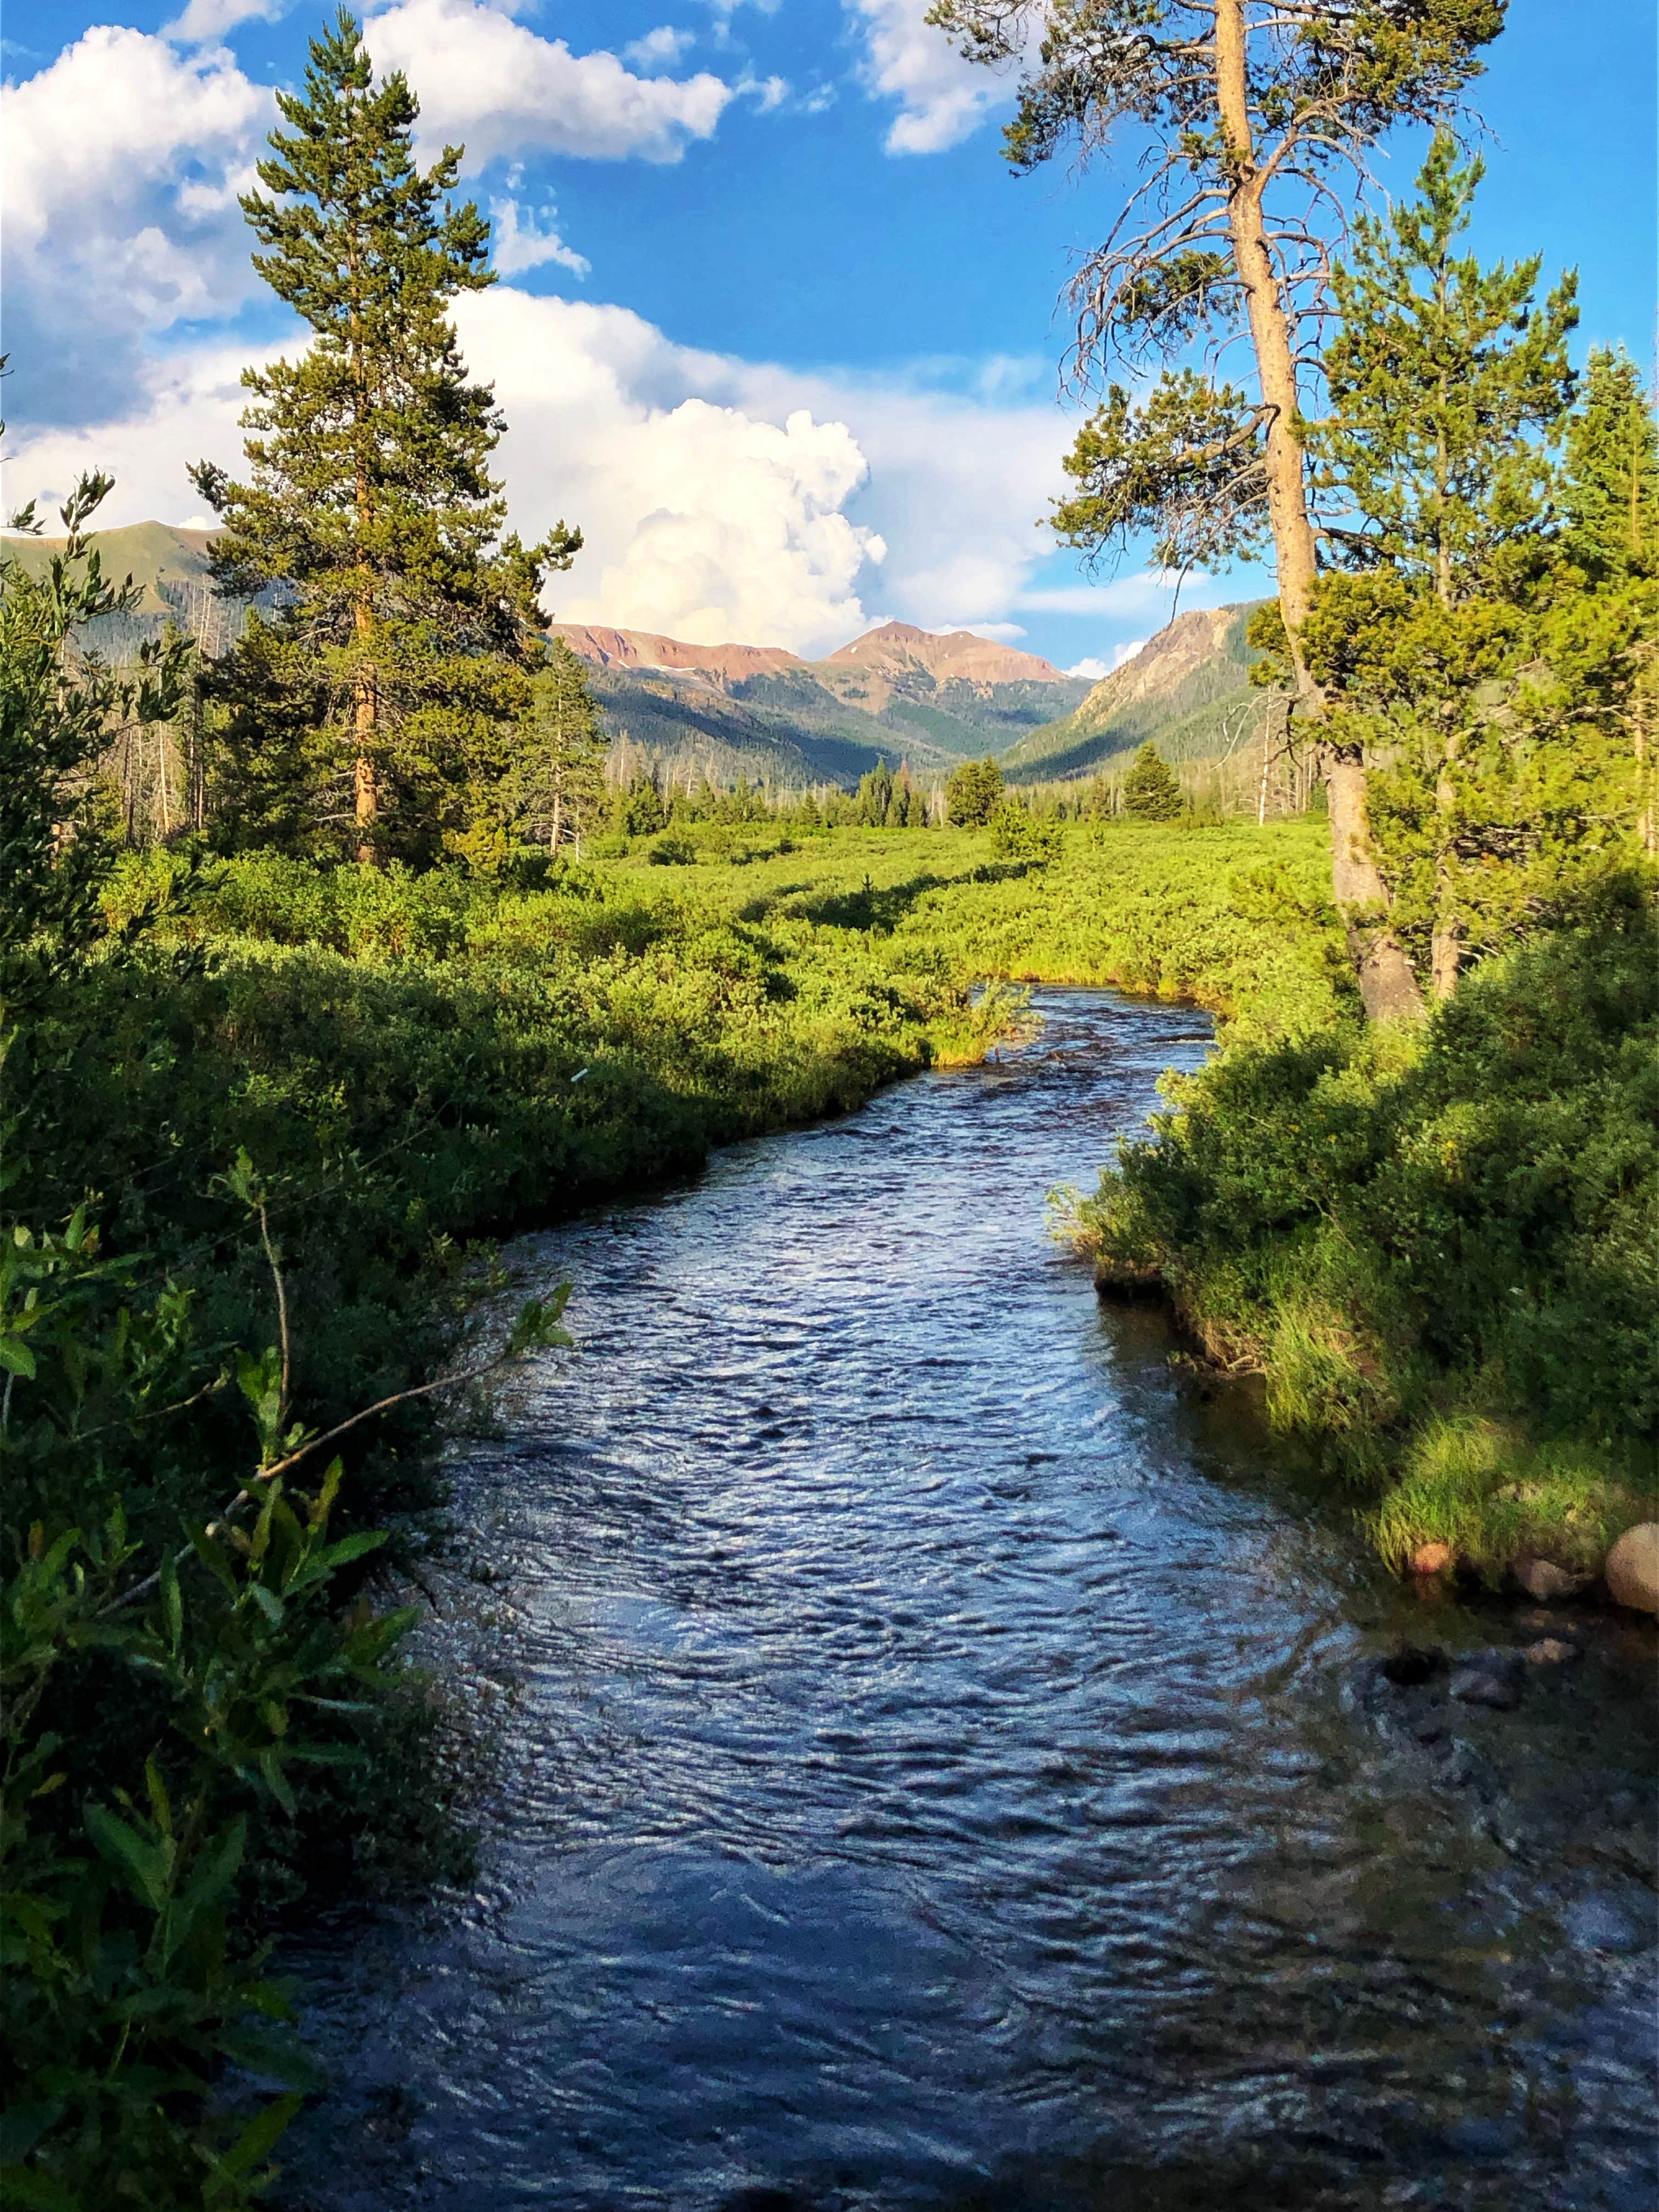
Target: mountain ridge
{"x":896,"y":692}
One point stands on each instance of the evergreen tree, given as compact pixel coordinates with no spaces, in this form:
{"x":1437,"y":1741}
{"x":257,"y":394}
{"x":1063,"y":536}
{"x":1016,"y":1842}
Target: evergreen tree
{"x":1151,"y":789}
{"x":1241,"y":118}
{"x":1446,"y":386}
{"x":972,"y":793}
{"x":1491,"y":681}
{"x":555,"y":791}
{"x":1610,"y":495}
{"x":404,"y":619}
{"x":875,"y":796}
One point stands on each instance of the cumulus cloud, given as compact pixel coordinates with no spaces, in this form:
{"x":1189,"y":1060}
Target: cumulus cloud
{"x":942,"y":98}
{"x":659,"y":49}
{"x":519,"y":243}
{"x":720,"y":499}
{"x":704,"y":518}
{"x":493,"y":86}
{"x":125,"y":159}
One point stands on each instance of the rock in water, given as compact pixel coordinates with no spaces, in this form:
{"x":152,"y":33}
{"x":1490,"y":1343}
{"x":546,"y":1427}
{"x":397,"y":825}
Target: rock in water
{"x":1489,"y":1678}
{"x":1550,"y":1651}
{"x":1633,"y":1568}
{"x":1544,"y":1580}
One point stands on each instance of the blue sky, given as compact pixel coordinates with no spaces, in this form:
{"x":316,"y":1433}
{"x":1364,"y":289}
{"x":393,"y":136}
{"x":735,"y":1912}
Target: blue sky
{"x":777,"y":326}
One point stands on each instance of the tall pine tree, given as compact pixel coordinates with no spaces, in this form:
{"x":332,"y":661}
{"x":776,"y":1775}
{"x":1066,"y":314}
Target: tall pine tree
{"x":404,"y":618}
{"x":1488,"y":674}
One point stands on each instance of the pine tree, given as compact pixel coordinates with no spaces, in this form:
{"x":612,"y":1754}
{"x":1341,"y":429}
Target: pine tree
{"x":1241,"y":118}
{"x":1151,"y":789}
{"x":1447,"y":388}
{"x":555,"y":791}
{"x":404,"y":618}
{"x":1446,"y":385}
{"x":1490,"y":680}
{"x":1611,"y":492}
{"x":972,"y":793}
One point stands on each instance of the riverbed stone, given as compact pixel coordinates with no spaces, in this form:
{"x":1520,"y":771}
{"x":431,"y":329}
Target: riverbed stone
{"x":1551,"y":1651}
{"x":1489,"y":1678}
{"x":1544,"y":1580}
{"x":1633,"y":1568}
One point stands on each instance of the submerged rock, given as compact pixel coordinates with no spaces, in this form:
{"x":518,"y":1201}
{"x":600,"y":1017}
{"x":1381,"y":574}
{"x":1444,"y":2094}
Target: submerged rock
{"x":1544,"y":1580}
{"x":1633,"y":1568}
{"x":1490,"y":1678}
{"x":1551,"y":1651}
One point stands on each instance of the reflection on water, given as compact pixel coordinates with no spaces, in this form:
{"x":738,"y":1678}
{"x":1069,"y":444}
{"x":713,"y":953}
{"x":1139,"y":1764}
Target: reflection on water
{"x":931,"y":1771}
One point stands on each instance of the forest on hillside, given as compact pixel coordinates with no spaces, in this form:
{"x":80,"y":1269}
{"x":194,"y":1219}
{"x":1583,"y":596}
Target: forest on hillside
{"x":331,"y":955}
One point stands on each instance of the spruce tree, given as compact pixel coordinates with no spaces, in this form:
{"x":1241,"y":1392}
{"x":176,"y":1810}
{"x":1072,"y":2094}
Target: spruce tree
{"x":404,"y":618}
{"x":1491,"y":678}
{"x":1447,"y":386}
{"x":1610,"y":495}
{"x":1151,"y":789}
{"x":555,"y":794}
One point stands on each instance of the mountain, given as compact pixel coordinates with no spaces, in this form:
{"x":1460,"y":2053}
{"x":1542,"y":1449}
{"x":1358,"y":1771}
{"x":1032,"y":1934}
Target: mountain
{"x":1186,"y":689}
{"x":170,"y":566}
{"x":896,"y":693}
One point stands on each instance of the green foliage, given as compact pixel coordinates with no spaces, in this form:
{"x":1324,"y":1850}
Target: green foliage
{"x":381,"y":694}
{"x":1185,"y":464}
{"x":1494,"y":685}
{"x":972,"y":793}
{"x":58,"y":709}
{"x":1152,"y":790}
{"x":1402,"y":1230}
{"x":1017,"y":835}
{"x":1446,"y":384}
{"x":554,"y":792}
{"x":1610,"y":496}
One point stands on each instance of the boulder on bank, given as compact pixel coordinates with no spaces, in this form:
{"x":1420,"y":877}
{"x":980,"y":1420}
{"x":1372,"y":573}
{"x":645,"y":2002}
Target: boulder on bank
{"x":1633,"y":1568}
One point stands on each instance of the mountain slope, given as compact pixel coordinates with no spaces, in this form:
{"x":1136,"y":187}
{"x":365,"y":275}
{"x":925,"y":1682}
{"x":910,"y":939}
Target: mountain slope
{"x":897,"y":693}
{"x":170,"y":566}
{"x":1186,"y":689}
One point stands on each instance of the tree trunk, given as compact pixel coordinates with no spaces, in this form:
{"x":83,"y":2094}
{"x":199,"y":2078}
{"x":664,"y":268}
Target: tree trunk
{"x":1447,"y":956}
{"x":1386,"y":982}
{"x":364,"y":728}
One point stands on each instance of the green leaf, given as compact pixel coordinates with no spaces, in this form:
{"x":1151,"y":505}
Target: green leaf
{"x":15,"y":1355}
{"x":145,"y":1866}
{"x":257,"y":2141}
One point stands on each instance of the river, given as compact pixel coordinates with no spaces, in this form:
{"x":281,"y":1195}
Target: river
{"x":929,"y":1772}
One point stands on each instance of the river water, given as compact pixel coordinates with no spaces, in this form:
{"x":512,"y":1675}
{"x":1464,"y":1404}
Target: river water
{"x":936,"y":1764}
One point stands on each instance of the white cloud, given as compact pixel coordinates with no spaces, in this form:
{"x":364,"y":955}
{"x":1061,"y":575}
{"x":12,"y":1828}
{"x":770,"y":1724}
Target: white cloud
{"x":768,"y":92}
{"x":942,"y":98}
{"x":720,"y":499}
{"x":659,"y":49}
{"x":490,"y":84}
{"x":520,"y":244}
{"x":202,"y":19}
{"x":124,"y":163}
{"x":1094,"y":668}
{"x":1149,"y":590}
